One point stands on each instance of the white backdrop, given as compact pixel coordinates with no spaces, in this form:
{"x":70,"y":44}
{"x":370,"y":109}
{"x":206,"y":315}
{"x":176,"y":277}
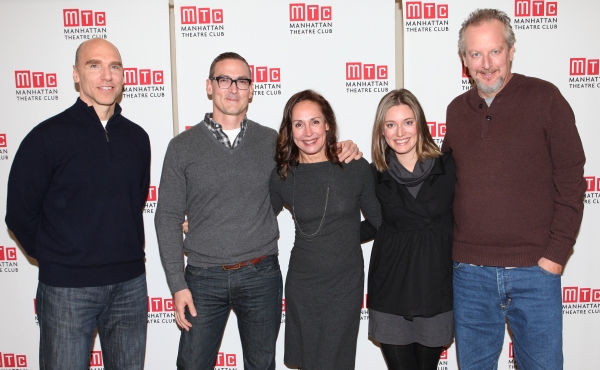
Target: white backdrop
{"x":332,"y":47}
{"x":556,"y":41}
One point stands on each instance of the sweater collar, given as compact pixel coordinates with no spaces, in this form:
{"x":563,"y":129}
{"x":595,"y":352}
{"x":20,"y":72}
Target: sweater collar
{"x":512,"y":85}
{"x":87,"y":113}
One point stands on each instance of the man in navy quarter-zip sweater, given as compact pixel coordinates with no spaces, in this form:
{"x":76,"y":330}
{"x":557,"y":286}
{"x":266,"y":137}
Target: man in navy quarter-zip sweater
{"x":76,"y":191}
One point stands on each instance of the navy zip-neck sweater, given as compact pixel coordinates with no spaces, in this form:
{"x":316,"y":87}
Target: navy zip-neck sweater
{"x":76,"y":192}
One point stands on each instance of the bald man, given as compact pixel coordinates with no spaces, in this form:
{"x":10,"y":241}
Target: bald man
{"x":76,"y":191}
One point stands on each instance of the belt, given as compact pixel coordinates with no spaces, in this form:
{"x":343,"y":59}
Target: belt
{"x":253,"y":261}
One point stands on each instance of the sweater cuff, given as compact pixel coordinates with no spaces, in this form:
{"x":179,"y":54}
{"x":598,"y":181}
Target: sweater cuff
{"x":558,"y":252}
{"x":176,"y":282}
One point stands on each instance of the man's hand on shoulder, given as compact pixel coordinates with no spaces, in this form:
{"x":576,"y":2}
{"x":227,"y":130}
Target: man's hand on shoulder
{"x":551,"y":267}
{"x":348,"y":151}
{"x":181,"y":299}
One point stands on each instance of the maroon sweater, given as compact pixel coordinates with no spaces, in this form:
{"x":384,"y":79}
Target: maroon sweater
{"x":519,"y":175}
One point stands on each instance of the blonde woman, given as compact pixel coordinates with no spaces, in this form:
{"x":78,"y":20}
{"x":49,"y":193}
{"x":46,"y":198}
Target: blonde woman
{"x":410,"y":273}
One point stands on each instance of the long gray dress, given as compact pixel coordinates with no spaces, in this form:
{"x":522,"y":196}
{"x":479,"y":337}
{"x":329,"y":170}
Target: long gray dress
{"x":325,"y":280}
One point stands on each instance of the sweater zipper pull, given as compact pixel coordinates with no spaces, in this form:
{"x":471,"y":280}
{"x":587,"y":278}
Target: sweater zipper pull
{"x":106,"y":132}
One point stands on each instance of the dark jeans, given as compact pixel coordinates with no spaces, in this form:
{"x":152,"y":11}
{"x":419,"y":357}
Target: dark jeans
{"x":254,"y":292}
{"x":68,"y":317}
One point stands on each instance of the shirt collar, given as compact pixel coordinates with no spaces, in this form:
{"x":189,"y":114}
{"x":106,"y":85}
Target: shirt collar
{"x":208,"y":119}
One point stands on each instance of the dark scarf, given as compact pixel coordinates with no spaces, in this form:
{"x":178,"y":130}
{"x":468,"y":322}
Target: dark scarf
{"x":412,"y":180}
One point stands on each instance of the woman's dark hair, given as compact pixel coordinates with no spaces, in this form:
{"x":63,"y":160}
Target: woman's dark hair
{"x":287,"y":151}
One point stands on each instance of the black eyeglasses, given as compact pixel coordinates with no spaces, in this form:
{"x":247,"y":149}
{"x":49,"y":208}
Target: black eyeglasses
{"x":225,"y":82}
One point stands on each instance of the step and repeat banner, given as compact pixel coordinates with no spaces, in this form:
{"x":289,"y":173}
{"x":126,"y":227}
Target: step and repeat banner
{"x":556,"y":41}
{"x":342,"y":49}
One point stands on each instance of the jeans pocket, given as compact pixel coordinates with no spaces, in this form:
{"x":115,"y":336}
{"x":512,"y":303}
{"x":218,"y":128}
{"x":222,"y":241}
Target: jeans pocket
{"x":267,"y":267}
{"x":546,"y":272}
{"x":456,"y":265}
{"x":194,"y":271}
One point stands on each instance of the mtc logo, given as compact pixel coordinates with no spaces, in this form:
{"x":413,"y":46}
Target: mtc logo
{"x":592,"y":182}
{"x":583,"y":66}
{"x":96,"y":358}
{"x":12,"y":360}
{"x":226,"y":359}
{"x":265,"y":74}
{"x":535,"y":8}
{"x":444,"y":354}
{"x":2,"y":140}
{"x":283,"y":305}
{"x":300,"y":12}
{"x":193,"y":15}
{"x":83,"y":18}
{"x":8,"y":253}
{"x":152,"y":194}
{"x":158,"y":304}
{"x":365,"y":303}
{"x":133,"y":76}
{"x":573,"y":294}
{"x":437,"y":129}
{"x":360,"y":71}
{"x":511,"y":351}
{"x":420,"y":10}
{"x":28,"y":79}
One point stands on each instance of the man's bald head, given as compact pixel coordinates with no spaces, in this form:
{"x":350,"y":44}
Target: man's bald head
{"x":91,"y":43}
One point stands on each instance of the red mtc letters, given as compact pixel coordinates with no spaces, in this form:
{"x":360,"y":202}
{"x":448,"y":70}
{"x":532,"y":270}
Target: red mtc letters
{"x":359,"y":71}
{"x":133,"y":76}
{"x":300,"y":12}
{"x":420,"y":10}
{"x":11,"y":360}
{"x":27,"y":79}
{"x":158,"y":304}
{"x":193,"y":15}
{"x":535,"y":8}
{"x":152,"y":194}
{"x":8,"y":253}
{"x":226,"y":359}
{"x":437,"y":129}
{"x":83,"y":18}
{"x":96,"y":358}
{"x":583,"y":66}
{"x":593,"y":183}
{"x":573,"y":294}
{"x":265,"y":74}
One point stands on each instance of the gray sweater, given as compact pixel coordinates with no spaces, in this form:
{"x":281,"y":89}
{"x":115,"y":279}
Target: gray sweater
{"x":225,"y":194}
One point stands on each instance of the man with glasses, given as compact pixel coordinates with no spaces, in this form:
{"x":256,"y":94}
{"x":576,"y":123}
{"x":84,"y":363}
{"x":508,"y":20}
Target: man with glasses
{"x":218,"y":174}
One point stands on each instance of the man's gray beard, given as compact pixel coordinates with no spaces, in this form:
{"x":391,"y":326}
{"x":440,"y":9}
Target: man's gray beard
{"x":489,"y":89}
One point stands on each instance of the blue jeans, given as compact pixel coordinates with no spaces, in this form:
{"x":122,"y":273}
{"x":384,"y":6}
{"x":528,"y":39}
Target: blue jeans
{"x":254,"y":292}
{"x":528,"y":297}
{"x":68,"y":318}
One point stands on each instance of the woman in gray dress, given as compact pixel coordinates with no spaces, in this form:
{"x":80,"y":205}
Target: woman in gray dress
{"x":325,"y":280}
